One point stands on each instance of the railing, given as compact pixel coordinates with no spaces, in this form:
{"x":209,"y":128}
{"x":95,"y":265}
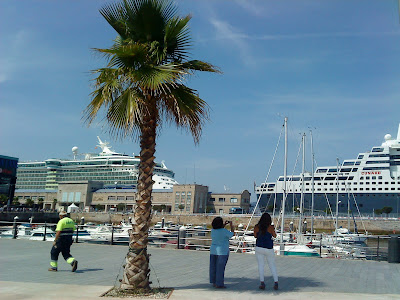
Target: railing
{"x":199,"y":238}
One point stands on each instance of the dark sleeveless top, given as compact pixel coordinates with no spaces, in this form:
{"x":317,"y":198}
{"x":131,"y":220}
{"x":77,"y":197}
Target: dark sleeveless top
{"x":264,"y":240}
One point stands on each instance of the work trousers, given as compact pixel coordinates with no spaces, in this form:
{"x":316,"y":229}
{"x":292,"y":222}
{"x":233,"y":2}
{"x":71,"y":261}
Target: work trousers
{"x":261,"y":254}
{"x":62,"y":245}
{"x":217,"y":268}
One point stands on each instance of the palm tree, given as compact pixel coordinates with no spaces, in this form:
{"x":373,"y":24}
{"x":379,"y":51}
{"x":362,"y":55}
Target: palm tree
{"x":141,"y":87}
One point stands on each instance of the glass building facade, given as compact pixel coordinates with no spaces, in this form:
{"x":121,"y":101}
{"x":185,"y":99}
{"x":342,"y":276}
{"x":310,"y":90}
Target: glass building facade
{"x":8,"y":172}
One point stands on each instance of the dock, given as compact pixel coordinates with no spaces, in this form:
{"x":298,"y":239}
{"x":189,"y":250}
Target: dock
{"x":24,"y":274}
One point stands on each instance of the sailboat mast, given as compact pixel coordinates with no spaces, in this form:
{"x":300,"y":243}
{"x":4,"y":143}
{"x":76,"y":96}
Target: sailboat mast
{"x":337,"y":194}
{"x":312,"y":184}
{"x":284,"y":182}
{"x":301,"y":210}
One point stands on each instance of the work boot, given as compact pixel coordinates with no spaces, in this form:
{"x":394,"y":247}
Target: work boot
{"x":52,"y":270}
{"x":74,"y":265}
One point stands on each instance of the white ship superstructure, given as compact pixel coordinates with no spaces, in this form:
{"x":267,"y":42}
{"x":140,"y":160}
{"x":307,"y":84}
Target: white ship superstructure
{"x":371,"y":181}
{"x":109,"y":167}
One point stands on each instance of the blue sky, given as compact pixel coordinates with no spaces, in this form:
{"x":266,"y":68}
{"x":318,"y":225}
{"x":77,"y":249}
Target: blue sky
{"x":332,"y":66}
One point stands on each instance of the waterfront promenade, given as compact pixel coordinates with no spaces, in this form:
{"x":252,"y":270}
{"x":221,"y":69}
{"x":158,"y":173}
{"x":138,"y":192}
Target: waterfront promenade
{"x":24,"y":275}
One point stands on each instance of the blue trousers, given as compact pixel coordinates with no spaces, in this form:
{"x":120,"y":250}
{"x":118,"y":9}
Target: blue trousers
{"x":217,"y":269}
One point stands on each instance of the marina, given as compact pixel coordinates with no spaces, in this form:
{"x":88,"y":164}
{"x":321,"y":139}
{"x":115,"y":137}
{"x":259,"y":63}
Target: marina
{"x":169,"y":235}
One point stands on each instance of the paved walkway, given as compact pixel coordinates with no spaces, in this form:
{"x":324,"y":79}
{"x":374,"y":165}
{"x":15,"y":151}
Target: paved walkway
{"x":24,"y":275}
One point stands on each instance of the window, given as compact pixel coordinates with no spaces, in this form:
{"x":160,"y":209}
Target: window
{"x":234,"y":200}
{"x":129,"y":198}
{"x":121,"y":198}
{"x":111,"y":198}
{"x":221,"y":199}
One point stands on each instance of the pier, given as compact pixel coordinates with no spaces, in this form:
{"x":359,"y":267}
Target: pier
{"x":24,"y":274}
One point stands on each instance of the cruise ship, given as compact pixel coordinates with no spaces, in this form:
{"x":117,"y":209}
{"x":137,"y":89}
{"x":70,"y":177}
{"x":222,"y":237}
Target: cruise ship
{"x":112,"y":168}
{"x":369,"y":182}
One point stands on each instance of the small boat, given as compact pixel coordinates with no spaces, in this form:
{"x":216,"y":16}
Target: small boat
{"x":295,"y":249}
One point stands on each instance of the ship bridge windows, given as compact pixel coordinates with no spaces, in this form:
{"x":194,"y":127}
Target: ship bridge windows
{"x":354,"y":170}
{"x":361,"y":156}
{"x":376,"y":149}
{"x":376,"y":162}
{"x":348,"y":163}
{"x":330,"y":178}
{"x":321,"y":170}
{"x":342,"y":177}
{"x":296,"y":178}
{"x":332,"y":170}
{"x":345,"y":170}
{"x":357,"y":163}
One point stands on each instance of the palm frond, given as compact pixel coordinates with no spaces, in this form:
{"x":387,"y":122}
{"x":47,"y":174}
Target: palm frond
{"x":124,"y":115}
{"x":177,"y":37}
{"x":184,"y":108}
{"x":198,"y":65}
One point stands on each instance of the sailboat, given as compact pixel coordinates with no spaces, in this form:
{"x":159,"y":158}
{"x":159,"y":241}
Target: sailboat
{"x":298,"y":248}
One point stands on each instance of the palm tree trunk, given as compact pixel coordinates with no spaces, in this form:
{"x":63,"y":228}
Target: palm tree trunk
{"x":137,"y":272}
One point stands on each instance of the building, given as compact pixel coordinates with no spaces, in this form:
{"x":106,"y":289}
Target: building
{"x":224,"y":202}
{"x":189,"y":198}
{"x":8,"y":171}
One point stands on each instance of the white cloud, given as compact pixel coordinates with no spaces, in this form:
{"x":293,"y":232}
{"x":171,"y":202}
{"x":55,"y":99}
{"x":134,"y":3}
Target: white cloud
{"x":225,"y":31}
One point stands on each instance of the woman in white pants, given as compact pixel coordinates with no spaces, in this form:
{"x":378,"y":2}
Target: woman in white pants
{"x":264,"y":231}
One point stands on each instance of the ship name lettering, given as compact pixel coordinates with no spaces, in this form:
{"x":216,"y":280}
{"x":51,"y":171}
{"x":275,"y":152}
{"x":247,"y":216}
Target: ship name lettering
{"x":371,"y":173}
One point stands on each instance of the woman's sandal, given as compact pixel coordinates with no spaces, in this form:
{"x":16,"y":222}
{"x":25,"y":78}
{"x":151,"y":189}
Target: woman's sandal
{"x":262,"y":286}
{"x":275,"y":286}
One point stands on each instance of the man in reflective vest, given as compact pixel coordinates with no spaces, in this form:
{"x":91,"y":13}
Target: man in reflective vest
{"x":62,"y":243}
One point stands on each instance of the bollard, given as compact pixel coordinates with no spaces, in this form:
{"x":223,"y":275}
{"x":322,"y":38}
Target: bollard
{"x":182,"y":237}
{"x":45,"y":230}
{"x":130,"y":220}
{"x":394,"y":249}
{"x":162,"y":223}
{"x":15,"y":232}
{"x":83,"y":221}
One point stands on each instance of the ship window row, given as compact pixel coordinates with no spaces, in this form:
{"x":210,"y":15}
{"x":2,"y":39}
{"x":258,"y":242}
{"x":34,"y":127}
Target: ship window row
{"x":31,"y":171}
{"x":379,"y":155}
{"x":394,"y":156}
{"x":361,"y":156}
{"x":377,"y":150}
{"x":356,"y":189}
{"x":31,"y":165}
{"x":395,"y":163}
{"x":377,"y":162}
{"x":375,"y":168}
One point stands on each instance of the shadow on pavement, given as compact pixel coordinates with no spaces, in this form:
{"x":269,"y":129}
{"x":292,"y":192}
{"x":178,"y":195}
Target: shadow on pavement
{"x":238,"y":284}
{"x":87,"y":270}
